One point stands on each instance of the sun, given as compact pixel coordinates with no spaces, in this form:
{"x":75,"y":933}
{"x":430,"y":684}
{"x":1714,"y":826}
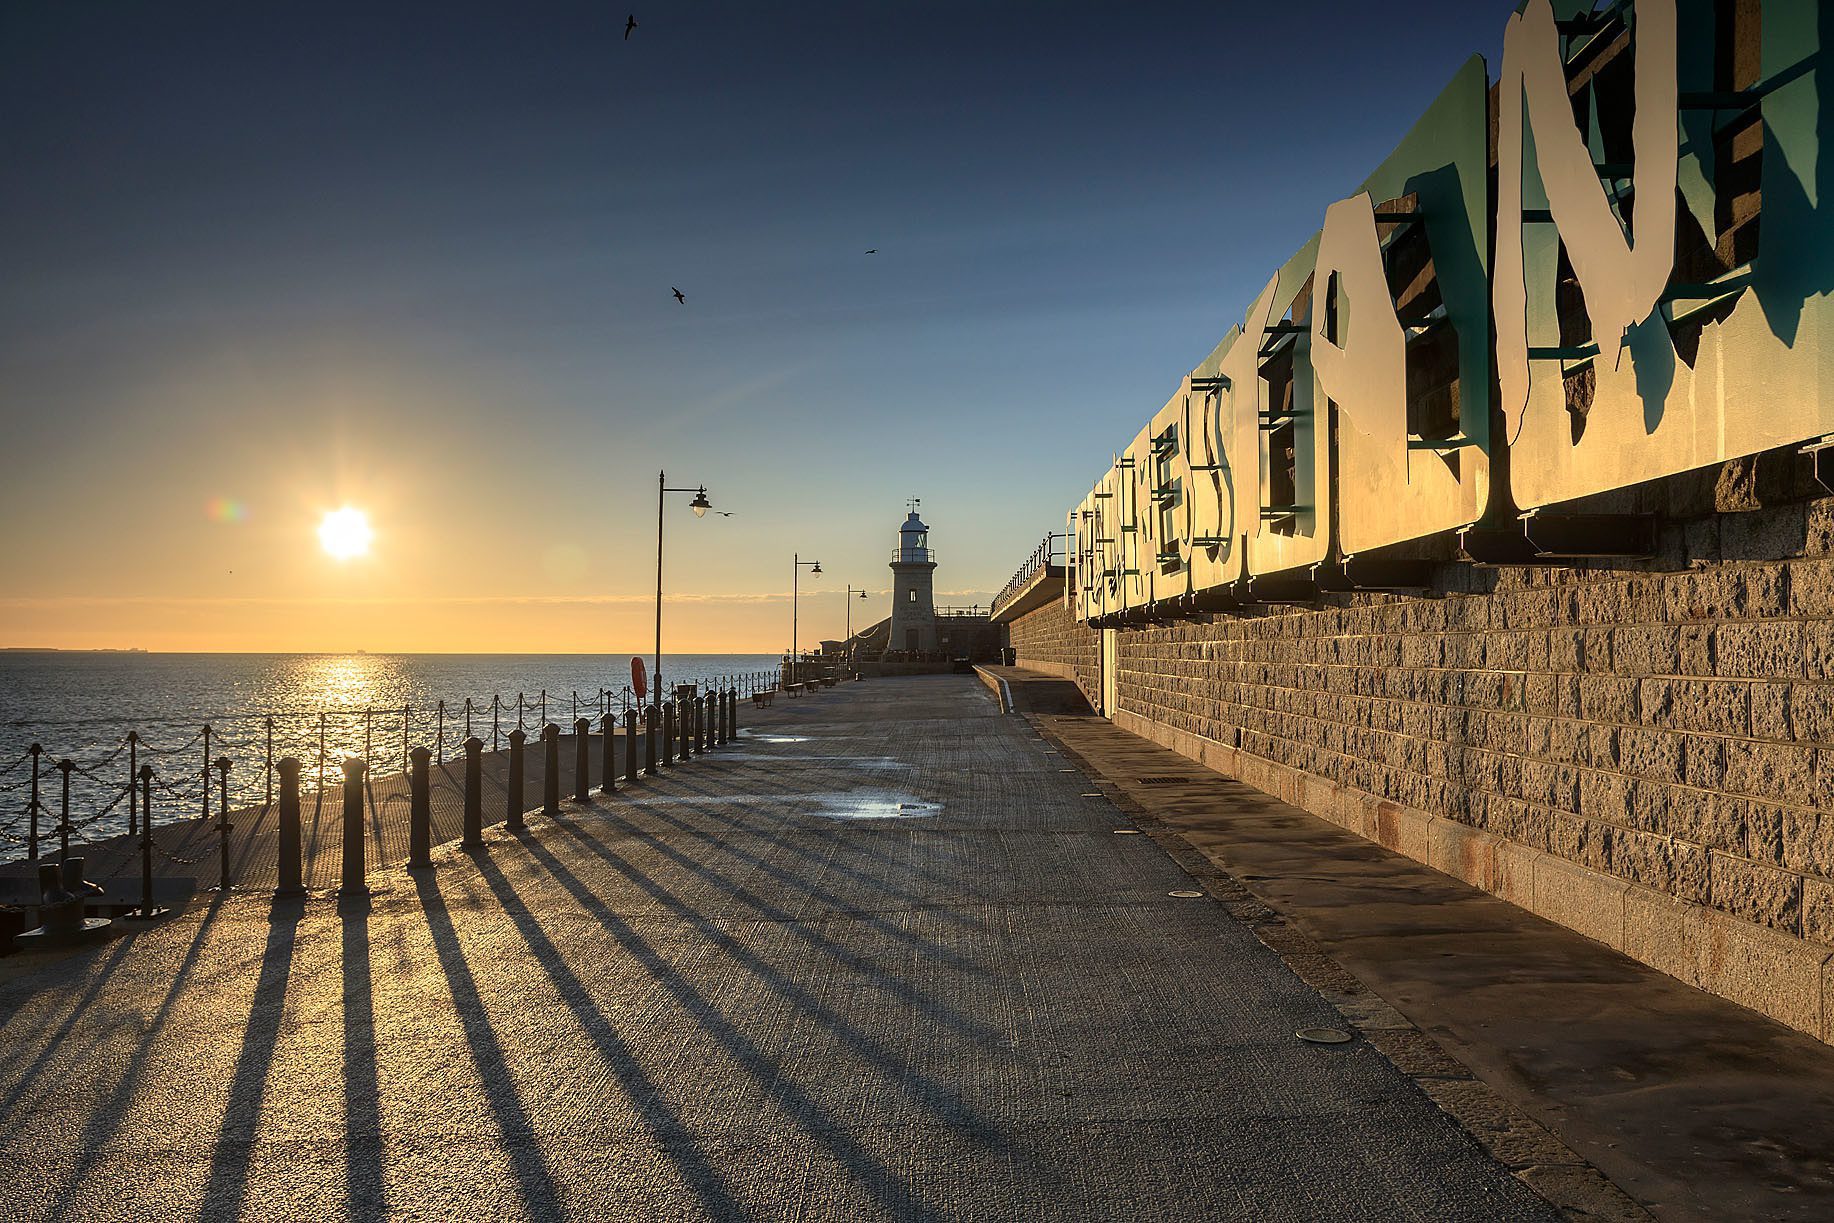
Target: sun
{"x":345,"y":533}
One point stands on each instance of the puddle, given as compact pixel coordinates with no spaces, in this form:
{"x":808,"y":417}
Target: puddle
{"x":828,"y":804}
{"x":878,"y":809}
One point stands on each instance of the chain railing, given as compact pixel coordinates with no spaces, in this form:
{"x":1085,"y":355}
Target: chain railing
{"x":41,"y":793}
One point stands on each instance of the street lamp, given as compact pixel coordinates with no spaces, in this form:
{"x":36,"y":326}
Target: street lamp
{"x":850,"y":593}
{"x":700,"y":505}
{"x":797,"y":565}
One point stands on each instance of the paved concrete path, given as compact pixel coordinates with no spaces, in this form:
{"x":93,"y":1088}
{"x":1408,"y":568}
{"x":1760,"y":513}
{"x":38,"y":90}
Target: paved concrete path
{"x":1562,"y":1055}
{"x":885,"y":960}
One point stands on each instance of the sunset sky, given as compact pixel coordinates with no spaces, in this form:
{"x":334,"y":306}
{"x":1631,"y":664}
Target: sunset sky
{"x":264,"y":261}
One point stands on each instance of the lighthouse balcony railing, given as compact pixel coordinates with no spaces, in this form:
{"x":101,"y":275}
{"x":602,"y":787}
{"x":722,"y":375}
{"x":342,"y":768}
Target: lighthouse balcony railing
{"x":913,"y":556}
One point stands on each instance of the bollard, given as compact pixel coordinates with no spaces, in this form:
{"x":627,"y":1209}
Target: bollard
{"x":550,"y":760}
{"x":224,"y":827}
{"x":630,"y":745}
{"x":708,"y":704}
{"x":703,"y":707}
{"x":668,"y":733}
{"x":513,"y":818}
{"x":684,"y":726}
{"x":582,"y":747}
{"x":732,"y":714}
{"x":608,"y":762}
{"x":351,"y":883}
{"x":420,"y":810}
{"x":147,"y":911}
{"x":735,"y":718}
{"x":292,"y":882}
{"x":474,"y":793}
{"x":649,"y":739}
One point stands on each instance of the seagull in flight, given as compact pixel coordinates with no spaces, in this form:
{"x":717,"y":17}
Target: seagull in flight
{"x":725,"y":513}
{"x":678,"y":297}
{"x":630,"y":23}
{"x":873,"y":251}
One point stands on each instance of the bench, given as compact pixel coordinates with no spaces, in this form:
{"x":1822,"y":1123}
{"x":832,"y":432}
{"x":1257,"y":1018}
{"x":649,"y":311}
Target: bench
{"x":762,"y":697}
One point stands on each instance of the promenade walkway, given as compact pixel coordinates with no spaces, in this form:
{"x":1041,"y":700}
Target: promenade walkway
{"x":884,"y":957}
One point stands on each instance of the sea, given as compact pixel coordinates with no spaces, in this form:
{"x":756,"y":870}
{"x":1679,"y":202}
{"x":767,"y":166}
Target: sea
{"x":81,"y":706}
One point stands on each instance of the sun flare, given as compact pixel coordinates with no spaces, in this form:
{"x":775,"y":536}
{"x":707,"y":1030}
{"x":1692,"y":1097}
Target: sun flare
{"x":345,"y":533}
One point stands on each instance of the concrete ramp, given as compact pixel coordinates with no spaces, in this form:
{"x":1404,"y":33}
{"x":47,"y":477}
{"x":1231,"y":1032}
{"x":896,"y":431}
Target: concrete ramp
{"x":1025,"y":691}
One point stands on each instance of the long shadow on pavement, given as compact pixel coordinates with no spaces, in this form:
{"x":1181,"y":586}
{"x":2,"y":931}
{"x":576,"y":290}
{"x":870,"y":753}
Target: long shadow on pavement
{"x":879,"y":1181}
{"x":248,"y":1081}
{"x":534,"y":1179}
{"x":700,"y":1175}
{"x":366,"y":1196}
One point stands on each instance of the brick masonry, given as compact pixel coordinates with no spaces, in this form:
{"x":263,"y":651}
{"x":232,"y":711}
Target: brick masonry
{"x":1644,"y":753}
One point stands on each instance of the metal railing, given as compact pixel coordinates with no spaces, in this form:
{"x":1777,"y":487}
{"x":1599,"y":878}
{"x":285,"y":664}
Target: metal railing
{"x":1046,"y":554}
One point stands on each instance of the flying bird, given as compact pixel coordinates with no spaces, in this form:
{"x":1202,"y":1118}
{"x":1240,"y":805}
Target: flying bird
{"x":678,"y":297}
{"x":725,"y":513}
{"x":873,"y":251}
{"x":630,"y":23}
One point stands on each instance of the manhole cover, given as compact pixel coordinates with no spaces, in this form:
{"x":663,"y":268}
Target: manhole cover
{"x":1185,"y":894}
{"x":1323,"y":1036}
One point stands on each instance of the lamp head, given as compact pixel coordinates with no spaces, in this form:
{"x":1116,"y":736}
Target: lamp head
{"x":700,"y":505}
{"x":816,"y":571}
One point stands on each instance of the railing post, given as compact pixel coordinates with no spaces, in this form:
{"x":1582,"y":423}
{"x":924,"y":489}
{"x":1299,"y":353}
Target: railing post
{"x":732,"y":714}
{"x":735,"y":717}
{"x":291,"y":879}
{"x":351,"y":882}
{"x":474,"y":793}
{"x":420,"y":809}
{"x":206,"y":773}
{"x":63,"y":825}
{"x":703,"y":721}
{"x":32,"y":833}
{"x":224,"y":827}
{"x":668,"y":734}
{"x":608,"y":754}
{"x":550,"y":760}
{"x":582,"y":752}
{"x":321,"y":756}
{"x":147,"y":911}
{"x":268,"y":798}
{"x":513,"y":813}
{"x":439,"y":733}
{"x":133,"y":781}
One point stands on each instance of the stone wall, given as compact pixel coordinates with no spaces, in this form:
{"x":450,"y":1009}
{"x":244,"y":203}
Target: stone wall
{"x":1641,"y":751}
{"x":1050,"y":639}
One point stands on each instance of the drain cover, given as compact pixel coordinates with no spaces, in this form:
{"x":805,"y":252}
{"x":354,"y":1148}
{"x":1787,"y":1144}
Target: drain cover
{"x":1323,"y":1036}
{"x":1185,"y":894}
{"x":1164,"y":781}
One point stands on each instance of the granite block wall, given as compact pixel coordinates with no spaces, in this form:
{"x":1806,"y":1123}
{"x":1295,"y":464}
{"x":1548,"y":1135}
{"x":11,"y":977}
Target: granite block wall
{"x":1050,"y":639}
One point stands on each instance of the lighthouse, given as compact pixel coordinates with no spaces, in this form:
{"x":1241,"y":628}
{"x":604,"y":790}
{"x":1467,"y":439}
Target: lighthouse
{"x":913,"y":618}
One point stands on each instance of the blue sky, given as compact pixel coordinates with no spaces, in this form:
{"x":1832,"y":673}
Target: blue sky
{"x":420,"y":260}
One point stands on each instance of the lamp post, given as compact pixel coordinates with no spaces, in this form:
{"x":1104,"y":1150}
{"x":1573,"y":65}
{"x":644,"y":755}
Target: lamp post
{"x":700,"y":505}
{"x":850,"y":593}
{"x":797,"y":565}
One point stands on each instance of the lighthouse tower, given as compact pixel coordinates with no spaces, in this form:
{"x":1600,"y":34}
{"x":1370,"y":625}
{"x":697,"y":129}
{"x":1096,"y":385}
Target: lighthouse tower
{"x":913,"y":619}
